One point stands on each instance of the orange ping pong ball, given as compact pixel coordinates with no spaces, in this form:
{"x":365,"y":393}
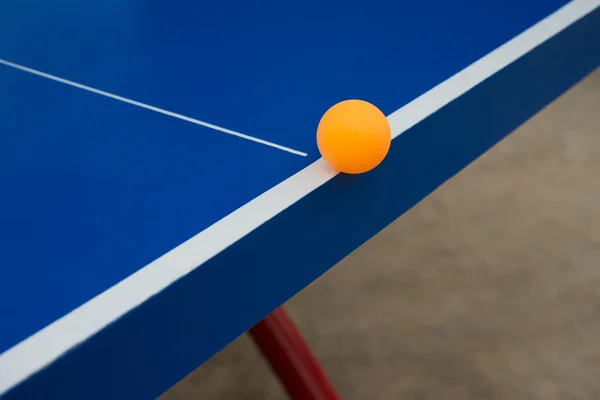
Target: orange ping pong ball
{"x":354,"y":136}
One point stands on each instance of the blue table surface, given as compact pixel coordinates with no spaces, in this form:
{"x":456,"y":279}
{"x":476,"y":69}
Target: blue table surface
{"x":93,"y":189}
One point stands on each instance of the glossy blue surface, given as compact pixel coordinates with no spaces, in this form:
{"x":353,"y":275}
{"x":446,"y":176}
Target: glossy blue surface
{"x":93,"y":189}
{"x":265,"y":68}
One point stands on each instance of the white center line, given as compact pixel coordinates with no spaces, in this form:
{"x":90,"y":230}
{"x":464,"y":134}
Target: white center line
{"x":149,"y":107}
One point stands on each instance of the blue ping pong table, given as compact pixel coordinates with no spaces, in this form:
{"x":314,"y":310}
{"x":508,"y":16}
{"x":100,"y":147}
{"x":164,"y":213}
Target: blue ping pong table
{"x":160,"y":186}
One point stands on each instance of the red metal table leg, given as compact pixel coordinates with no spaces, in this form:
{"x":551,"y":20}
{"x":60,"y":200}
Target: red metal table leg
{"x":290,"y":358}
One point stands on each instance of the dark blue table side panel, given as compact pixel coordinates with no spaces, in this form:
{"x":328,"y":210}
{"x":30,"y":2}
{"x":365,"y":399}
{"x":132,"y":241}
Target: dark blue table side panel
{"x":173,"y":332}
{"x":267,"y":68}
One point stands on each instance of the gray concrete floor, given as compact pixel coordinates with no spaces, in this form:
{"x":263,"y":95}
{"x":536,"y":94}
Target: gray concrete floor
{"x":487,"y":289}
